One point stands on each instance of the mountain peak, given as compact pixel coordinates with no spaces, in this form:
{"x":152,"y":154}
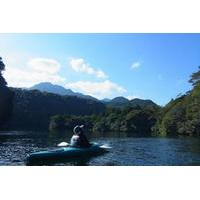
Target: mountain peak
{"x":51,"y":88}
{"x":57,"y":89}
{"x":120,"y":99}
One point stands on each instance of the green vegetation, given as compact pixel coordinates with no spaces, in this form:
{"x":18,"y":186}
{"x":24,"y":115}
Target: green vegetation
{"x":6,"y":97}
{"x":68,"y":122}
{"x":182,"y":115}
{"x":127,"y":119}
{"x":33,"y":109}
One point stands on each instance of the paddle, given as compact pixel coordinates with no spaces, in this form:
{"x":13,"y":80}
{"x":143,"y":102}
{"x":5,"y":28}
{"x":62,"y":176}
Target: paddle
{"x":63,"y":144}
{"x":105,"y":146}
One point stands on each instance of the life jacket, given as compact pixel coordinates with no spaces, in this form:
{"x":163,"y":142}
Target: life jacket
{"x":79,"y":140}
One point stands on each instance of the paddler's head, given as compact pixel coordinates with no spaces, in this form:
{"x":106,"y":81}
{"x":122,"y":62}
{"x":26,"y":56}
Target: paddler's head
{"x":78,"y":129}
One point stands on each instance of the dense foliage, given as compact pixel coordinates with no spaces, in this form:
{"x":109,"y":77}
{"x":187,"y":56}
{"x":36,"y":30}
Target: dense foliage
{"x":68,"y":122}
{"x":2,"y":68}
{"x":33,"y":109}
{"x":182,"y":115}
{"x":136,"y":120}
{"x":6,"y":97}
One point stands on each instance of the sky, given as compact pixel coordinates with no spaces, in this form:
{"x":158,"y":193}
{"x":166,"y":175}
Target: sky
{"x":146,"y":66}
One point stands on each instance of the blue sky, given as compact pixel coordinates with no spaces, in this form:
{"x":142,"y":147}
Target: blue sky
{"x":148,"y":66}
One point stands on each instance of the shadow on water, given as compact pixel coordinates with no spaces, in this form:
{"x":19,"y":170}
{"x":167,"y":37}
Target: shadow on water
{"x":61,"y":162}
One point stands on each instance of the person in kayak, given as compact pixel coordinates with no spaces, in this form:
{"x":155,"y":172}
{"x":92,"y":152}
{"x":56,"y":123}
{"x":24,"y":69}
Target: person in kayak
{"x":79,"y":139}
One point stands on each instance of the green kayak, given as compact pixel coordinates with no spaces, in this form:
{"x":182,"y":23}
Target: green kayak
{"x":66,"y":154}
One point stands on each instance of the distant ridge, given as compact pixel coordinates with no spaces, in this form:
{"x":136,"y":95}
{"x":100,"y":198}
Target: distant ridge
{"x":118,"y":102}
{"x":115,"y":102}
{"x":57,"y":89}
{"x":122,"y":101}
{"x":32,"y":109}
{"x":142,"y":102}
{"x":105,"y":100}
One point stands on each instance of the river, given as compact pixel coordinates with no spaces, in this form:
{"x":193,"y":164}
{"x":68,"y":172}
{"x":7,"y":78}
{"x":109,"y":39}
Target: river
{"x":126,"y":150}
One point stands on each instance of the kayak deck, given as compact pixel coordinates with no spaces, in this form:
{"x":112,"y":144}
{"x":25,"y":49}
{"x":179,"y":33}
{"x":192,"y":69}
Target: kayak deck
{"x":65,"y":154}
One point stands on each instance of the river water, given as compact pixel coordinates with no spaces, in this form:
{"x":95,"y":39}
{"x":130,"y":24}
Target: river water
{"x":126,"y":150}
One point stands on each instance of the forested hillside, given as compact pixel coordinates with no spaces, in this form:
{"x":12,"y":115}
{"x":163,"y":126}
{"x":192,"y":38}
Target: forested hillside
{"x":33,"y":109}
{"x":138,"y":121}
{"x":182,"y":115}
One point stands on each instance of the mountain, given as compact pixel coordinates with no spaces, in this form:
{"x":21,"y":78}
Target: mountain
{"x":33,"y":108}
{"x":49,"y":87}
{"x":118,"y":102}
{"x":57,"y":89}
{"x":105,"y":100}
{"x":122,"y":101}
{"x":142,"y":102}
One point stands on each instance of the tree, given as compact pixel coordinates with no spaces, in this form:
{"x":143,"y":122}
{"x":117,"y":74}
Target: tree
{"x":181,"y":116}
{"x":2,"y":68}
{"x":195,"y":78}
{"x":6,"y":97}
{"x":33,"y":109}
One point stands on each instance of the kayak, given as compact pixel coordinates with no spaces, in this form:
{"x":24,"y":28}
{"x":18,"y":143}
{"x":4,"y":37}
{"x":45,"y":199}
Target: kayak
{"x":66,"y":154}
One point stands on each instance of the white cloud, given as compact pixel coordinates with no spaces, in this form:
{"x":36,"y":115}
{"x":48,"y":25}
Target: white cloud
{"x":97,"y":89}
{"x":35,"y":71}
{"x":46,"y":65}
{"x":135,"y":65}
{"x":79,"y":65}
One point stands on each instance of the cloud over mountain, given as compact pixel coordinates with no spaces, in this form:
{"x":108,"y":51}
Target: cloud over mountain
{"x":36,"y":70}
{"x":97,"y":89}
